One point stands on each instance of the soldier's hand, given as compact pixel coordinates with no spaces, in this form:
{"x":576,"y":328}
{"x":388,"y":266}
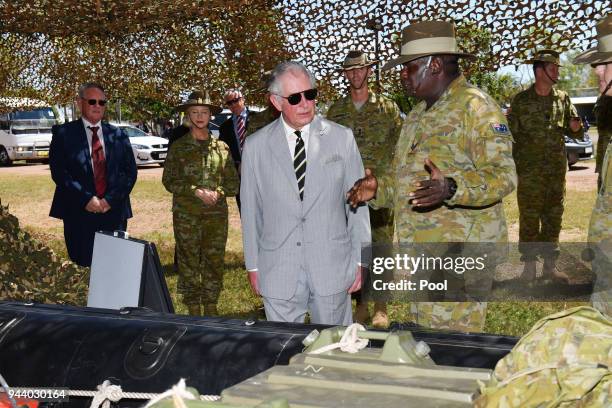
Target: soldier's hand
{"x":207,"y":196}
{"x":363,"y":190}
{"x":253,"y":281}
{"x":430,"y":192}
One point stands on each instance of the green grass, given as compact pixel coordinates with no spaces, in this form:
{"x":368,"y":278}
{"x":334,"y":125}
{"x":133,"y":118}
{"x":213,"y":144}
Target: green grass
{"x":29,"y":198}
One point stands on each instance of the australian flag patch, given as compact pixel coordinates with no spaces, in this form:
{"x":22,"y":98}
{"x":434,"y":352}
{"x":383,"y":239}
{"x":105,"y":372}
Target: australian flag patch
{"x":500,"y":128}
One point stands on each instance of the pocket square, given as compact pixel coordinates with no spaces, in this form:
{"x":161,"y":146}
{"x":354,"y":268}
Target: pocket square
{"x":332,"y":159}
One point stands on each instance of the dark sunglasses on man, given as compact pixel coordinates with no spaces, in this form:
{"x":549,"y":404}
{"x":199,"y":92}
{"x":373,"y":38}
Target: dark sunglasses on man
{"x":232,"y":101}
{"x":100,"y":102}
{"x":294,"y":99}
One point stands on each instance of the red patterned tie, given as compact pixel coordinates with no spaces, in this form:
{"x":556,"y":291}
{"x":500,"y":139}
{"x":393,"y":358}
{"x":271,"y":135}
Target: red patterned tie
{"x":241,"y":131}
{"x":99,"y":162}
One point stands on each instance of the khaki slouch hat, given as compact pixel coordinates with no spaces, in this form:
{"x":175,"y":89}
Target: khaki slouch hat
{"x":427,"y":38}
{"x":603,"y":52}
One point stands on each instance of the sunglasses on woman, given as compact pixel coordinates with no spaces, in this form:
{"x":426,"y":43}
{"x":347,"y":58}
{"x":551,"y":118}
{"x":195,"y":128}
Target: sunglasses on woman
{"x":295,"y":98}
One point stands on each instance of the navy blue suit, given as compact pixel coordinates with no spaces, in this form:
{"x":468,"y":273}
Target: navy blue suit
{"x":72,"y":172}
{"x":228,"y":135}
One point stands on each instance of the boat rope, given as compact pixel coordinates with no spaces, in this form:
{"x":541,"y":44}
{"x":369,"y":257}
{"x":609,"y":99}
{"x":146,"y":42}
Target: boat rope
{"x":349,"y":343}
{"x":108,"y":393}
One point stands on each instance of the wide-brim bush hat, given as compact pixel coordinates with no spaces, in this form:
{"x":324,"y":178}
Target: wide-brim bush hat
{"x":545,"y":55}
{"x":357,"y":59}
{"x":199,"y":98}
{"x":603,"y":52}
{"x":427,"y":38}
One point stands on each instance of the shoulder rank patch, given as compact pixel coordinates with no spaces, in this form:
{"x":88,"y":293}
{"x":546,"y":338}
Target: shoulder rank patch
{"x":500,"y":128}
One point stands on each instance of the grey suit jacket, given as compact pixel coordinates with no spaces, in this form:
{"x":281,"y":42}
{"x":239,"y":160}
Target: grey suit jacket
{"x":284,"y":237}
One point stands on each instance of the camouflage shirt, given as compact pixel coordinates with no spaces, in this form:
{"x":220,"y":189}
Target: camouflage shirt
{"x":603,"y":112}
{"x":465,"y":134}
{"x":376,"y":127}
{"x":539,"y":125}
{"x":192,"y":164}
{"x":260,"y":120}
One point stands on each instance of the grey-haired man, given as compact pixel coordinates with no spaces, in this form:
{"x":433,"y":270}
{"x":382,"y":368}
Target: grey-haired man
{"x":302,"y":241}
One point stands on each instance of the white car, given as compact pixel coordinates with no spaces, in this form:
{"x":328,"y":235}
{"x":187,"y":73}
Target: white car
{"x":147,"y":149}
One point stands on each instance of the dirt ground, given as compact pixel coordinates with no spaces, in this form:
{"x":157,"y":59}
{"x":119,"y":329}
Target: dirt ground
{"x":580,"y":178}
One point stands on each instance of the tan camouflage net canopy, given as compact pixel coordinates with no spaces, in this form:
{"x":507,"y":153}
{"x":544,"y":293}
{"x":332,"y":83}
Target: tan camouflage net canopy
{"x":158,"y":50}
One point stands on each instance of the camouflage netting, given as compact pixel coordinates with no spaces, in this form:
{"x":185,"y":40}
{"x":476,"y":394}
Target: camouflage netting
{"x":156,"y":50}
{"x":29,"y":271}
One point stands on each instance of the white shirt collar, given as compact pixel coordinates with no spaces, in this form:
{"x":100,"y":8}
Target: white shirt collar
{"x":88,"y":123}
{"x":290,"y":132}
{"x":291,"y":137}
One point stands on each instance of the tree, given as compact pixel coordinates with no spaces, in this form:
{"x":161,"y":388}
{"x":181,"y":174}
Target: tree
{"x":573,"y":77}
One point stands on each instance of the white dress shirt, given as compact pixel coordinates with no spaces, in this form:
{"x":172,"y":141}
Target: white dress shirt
{"x":292,"y":137}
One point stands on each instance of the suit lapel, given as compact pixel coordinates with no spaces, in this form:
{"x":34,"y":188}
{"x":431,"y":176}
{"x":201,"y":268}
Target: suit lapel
{"x":84,"y":147}
{"x":108,"y":142}
{"x":312,"y":188}
{"x":277,"y":143}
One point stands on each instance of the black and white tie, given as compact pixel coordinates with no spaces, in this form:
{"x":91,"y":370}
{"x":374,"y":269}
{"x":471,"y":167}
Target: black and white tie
{"x":299,"y":163}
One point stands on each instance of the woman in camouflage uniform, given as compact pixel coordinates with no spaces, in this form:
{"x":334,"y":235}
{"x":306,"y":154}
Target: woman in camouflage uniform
{"x":200,"y":174}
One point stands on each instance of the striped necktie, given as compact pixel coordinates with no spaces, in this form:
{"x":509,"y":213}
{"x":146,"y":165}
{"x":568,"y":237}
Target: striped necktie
{"x":241,"y":131}
{"x":299,"y":163}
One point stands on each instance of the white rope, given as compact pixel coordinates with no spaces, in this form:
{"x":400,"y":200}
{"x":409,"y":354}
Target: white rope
{"x":349,"y":342}
{"x":108,"y":392}
{"x":177,"y":392}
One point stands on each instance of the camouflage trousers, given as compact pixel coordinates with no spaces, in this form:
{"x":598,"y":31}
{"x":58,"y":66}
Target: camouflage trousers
{"x":540,"y":201}
{"x":381,"y":222}
{"x":200,"y":249}
{"x":601,"y":299}
{"x":459,"y":316}
{"x":455,"y":315}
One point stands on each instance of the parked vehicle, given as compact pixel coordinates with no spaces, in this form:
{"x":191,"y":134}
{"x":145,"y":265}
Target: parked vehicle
{"x":577,"y":150}
{"x":25,"y":130}
{"x":147,"y":149}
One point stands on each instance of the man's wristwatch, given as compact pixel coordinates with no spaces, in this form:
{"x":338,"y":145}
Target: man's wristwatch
{"x":452,"y":187}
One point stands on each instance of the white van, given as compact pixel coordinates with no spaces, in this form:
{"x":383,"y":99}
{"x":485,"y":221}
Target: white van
{"x":25,"y":130}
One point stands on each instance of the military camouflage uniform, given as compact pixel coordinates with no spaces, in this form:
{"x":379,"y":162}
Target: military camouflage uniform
{"x":465,"y":134}
{"x":538,"y":125}
{"x":200,"y":231}
{"x":600,"y":238}
{"x":260,"y":120}
{"x":563,"y":361}
{"x":603,"y":112}
{"x":376,"y":127}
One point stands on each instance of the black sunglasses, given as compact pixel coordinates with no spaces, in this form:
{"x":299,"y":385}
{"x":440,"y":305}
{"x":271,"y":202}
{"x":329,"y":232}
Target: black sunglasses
{"x":232,"y":101}
{"x":294,"y":99}
{"x":100,"y":102}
